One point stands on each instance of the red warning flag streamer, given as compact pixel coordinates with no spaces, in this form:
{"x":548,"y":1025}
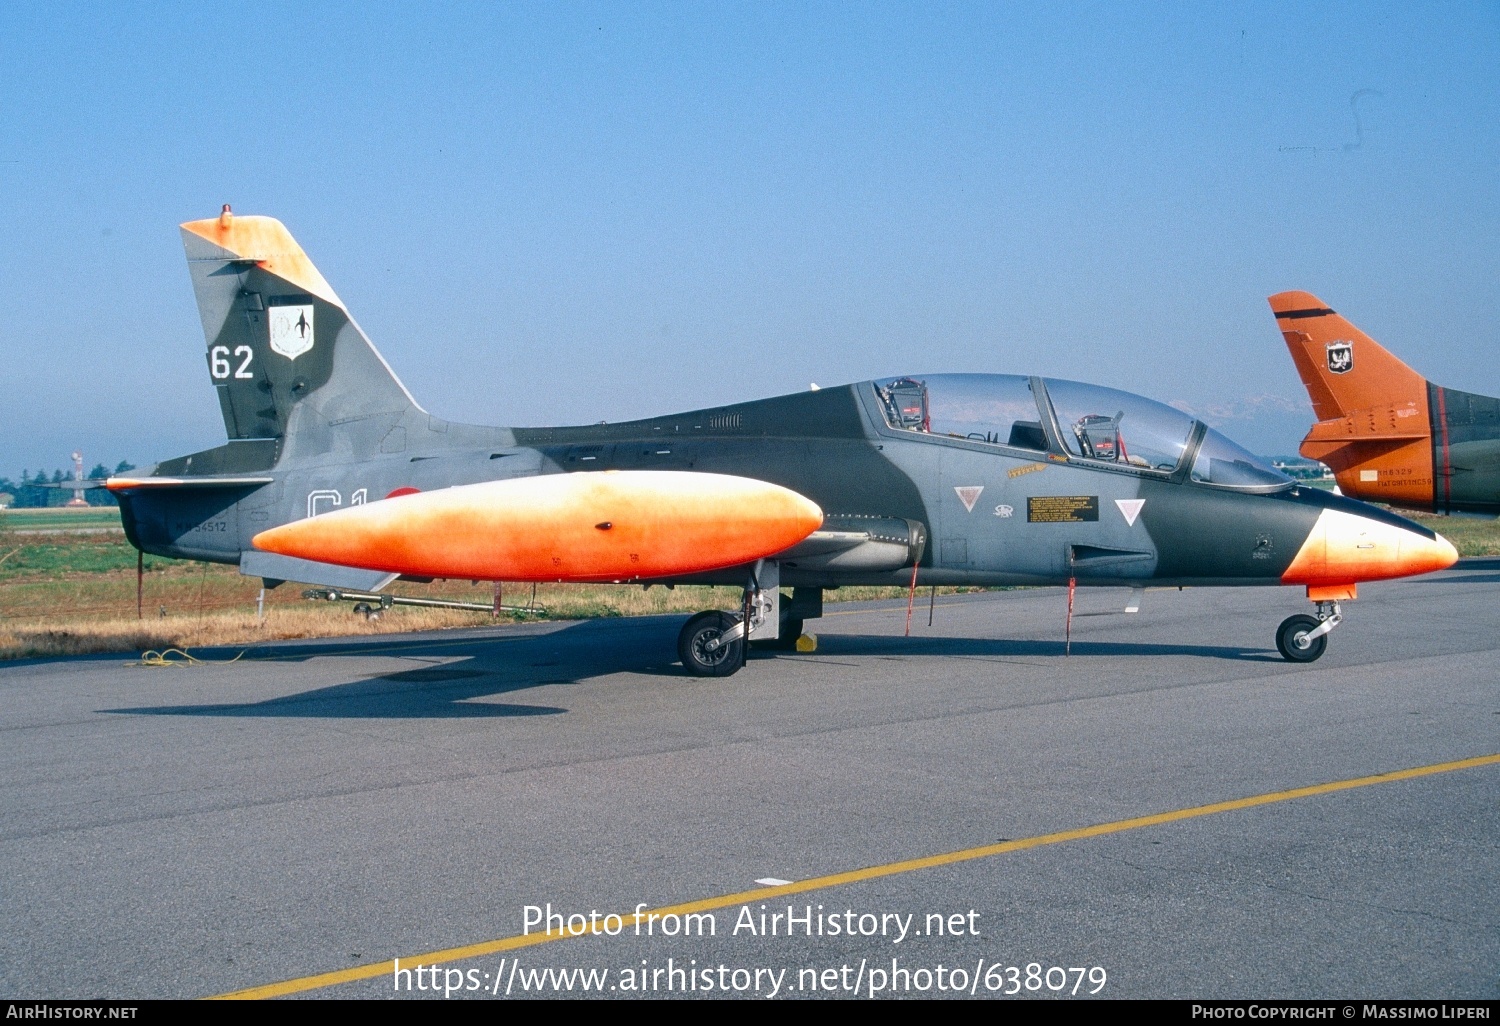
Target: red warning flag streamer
{"x":911,"y":597}
{"x":1068,"y":645}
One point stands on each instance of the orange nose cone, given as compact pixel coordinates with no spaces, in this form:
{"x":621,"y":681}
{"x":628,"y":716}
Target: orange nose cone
{"x":608,"y":526}
{"x":1421,"y":555}
{"x":1344,"y":548}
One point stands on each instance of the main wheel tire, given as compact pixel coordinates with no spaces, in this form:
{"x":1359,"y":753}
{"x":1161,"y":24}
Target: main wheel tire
{"x":695,"y":636}
{"x":1294,"y":629}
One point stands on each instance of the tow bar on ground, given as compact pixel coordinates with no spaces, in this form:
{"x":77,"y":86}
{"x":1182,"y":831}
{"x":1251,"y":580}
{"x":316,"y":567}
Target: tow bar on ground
{"x":369,"y":603}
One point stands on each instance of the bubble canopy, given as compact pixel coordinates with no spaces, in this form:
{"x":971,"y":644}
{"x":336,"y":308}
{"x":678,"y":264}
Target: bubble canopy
{"x":1094,"y":424}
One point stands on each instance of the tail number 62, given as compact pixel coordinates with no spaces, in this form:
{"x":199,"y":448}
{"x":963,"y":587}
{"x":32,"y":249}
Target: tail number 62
{"x":219,"y":362}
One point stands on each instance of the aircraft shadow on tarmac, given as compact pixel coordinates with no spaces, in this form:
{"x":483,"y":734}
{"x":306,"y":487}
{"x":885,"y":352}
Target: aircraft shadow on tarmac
{"x":1464,"y":572}
{"x":884,"y":645}
{"x":498,"y":665}
{"x":1459,"y":579}
{"x":437,"y":693}
{"x":485,"y":666}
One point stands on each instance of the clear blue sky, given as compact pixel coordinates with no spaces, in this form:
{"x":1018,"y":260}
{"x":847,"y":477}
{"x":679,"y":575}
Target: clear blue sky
{"x":558,"y":213}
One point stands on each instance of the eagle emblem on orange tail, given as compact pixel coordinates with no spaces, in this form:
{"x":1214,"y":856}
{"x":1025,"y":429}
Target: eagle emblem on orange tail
{"x":1340,"y":357}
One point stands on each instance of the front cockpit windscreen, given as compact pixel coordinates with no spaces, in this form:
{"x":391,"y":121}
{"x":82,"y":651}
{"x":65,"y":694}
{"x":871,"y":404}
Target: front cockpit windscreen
{"x":1119,"y":427}
{"x":1097,"y":423}
{"x":1224,"y":463}
{"x":997,"y":409}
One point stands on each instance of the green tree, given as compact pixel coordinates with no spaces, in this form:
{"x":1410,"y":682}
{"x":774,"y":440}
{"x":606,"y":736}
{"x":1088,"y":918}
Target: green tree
{"x":100,"y":496}
{"x":29,"y":496}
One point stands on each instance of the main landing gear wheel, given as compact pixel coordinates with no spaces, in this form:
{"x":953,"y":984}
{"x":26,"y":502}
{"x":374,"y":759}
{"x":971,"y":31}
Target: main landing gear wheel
{"x":693,"y":645}
{"x":1292,"y":640}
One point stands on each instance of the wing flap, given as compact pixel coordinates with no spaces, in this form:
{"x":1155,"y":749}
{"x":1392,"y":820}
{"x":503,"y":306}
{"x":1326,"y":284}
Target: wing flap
{"x":270,"y":566}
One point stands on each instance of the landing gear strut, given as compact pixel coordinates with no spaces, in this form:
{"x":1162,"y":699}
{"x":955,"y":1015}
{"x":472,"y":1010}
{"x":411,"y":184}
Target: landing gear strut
{"x":1303,"y":638}
{"x":712,"y":644}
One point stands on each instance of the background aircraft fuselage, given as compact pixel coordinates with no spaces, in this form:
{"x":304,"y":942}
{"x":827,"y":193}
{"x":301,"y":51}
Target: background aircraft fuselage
{"x":1388,"y":433}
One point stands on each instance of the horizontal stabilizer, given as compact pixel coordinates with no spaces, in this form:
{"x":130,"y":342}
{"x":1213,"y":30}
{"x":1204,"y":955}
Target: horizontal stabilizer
{"x":124,"y":484}
{"x":1344,"y":432}
{"x":1364,"y":434}
{"x":273,"y":567}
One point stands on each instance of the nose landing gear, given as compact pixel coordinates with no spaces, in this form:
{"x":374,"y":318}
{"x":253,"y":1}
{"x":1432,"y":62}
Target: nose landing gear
{"x":1303,"y":638}
{"x":712,"y":643}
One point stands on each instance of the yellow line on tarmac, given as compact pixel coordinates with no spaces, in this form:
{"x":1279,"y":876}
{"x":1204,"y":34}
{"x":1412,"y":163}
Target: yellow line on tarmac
{"x":365,"y":972}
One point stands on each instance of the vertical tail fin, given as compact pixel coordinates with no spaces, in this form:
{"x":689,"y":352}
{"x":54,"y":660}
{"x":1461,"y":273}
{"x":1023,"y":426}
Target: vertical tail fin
{"x":286,"y":358}
{"x":1375,"y":425}
{"x":1343,"y":369}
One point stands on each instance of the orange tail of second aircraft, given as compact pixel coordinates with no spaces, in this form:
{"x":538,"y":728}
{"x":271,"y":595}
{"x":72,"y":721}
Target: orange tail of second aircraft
{"x":1374,"y":420}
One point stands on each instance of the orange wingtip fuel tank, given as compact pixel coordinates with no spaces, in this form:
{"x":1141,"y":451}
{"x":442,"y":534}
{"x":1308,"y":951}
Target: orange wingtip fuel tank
{"x":586,"y":527}
{"x":1344,"y":549}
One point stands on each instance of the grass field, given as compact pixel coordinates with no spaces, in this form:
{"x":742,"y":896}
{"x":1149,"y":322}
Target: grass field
{"x":75,"y":593}
{"x":1471,"y":536}
{"x":61,"y":519}
{"x":70,"y":593}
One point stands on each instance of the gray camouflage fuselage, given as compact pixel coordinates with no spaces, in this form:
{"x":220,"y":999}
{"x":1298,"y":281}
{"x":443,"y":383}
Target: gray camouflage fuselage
{"x":330,"y":426}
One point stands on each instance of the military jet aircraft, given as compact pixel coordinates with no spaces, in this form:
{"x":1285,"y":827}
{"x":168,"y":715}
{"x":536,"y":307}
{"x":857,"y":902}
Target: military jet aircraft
{"x":334,"y":475}
{"x":1388,"y":433}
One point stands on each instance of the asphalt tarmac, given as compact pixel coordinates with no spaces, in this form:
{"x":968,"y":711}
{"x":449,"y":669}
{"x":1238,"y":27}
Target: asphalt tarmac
{"x":322,"y":806}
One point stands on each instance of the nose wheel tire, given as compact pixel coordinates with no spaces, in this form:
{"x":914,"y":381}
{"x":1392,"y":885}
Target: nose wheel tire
{"x":1291,"y":639}
{"x":692,"y":645}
